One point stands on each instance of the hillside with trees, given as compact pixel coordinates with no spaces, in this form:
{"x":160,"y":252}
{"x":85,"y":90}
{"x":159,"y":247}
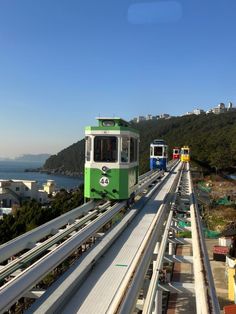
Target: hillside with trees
{"x":70,"y":161}
{"x":212,"y":139}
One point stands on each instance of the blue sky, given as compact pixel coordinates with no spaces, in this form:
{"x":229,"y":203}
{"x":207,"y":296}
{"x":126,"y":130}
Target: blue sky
{"x":64,"y":62}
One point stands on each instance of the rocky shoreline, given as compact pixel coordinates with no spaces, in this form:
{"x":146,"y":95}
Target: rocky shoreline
{"x":68,"y":173}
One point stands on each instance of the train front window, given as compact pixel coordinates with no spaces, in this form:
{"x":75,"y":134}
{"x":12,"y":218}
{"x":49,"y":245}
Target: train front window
{"x":158,"y":151}
{"x":105,"y":149}
{"x":165,"y":151}
{"x":87,"y":148}
{"x":185,"y":152}
{"x":133,"y":149}
{"x":125,"y":149}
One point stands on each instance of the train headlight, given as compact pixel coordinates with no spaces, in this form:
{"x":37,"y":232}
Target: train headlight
{"x":104,"y":169}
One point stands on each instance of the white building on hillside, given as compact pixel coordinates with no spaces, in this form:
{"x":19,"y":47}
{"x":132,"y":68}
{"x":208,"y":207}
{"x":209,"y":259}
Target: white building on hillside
{"x":49,"y":186}
{"x":209,"y":111}
{"x":198,"y":111}
{"x":149,"y":117}
{"x":219,"y":109}
{"x":164,"y":116}
{"x":13,"y":192}
{"x":140,"y":118}
{"x":230,"y":107}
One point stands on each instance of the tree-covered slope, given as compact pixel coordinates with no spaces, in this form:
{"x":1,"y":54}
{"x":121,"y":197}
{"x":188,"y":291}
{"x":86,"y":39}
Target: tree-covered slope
{"x":69,"y":161}
{"x":212,"y":139}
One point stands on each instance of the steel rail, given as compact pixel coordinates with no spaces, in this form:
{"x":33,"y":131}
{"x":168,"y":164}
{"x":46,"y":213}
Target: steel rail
{"x":48,"y":228}
{"x":146,"y":174}
{"x":152,"y":173}
{"x":42,"y":247}
{"x":22,"y":242}
{"x":206,"y":298}
{"x":171,"y":163}
{"x":130,"y":297}
{"x":59,"y":293}
{"x":83,"y":267}
{"x":26,"y":240}
{"x":124,"y":301}
{"x":22,"y":283}
{"x":34,"y":252}
{"x":156,"y":175}
{"x":151,"y":294}
{"x":200,"y":288}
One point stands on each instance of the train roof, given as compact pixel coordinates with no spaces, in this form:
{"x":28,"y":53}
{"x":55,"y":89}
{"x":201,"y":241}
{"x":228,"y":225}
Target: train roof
{"x":116,"y":120}
{"x":112,"y":123}
{"x":159,"y":141}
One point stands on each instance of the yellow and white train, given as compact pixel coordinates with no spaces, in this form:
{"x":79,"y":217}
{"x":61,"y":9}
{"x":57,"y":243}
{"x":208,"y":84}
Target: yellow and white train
{"x":185,"y":154}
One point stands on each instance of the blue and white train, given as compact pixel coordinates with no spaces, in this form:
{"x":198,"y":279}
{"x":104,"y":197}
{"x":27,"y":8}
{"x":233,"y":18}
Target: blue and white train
{"x":158,"y":155}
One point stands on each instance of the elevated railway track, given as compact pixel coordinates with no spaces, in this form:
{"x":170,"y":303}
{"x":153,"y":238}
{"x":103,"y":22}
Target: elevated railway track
{"x":45,"y":237}
{"x":52,"y":243}
{"x":112,"y":275}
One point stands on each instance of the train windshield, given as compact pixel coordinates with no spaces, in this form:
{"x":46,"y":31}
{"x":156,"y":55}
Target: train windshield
{"x":158,"y":150}
{"x":176,"y":151}
{"x":185,"y":152}
{"x":88,"y":148}
{"x":133,"y":149}
{"x":105,"y":149}
{"x":125,"y":149}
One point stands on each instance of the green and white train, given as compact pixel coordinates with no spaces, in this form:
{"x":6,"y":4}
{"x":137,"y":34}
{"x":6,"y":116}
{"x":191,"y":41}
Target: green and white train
{"x":111,"y":160}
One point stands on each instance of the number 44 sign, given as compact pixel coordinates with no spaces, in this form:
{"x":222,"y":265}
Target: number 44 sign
{"x":104,"y":181}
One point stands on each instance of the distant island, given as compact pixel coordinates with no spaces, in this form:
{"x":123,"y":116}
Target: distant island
{"x":32,"y":158}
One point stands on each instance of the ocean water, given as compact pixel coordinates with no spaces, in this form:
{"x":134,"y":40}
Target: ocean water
{"x":16,"y":170}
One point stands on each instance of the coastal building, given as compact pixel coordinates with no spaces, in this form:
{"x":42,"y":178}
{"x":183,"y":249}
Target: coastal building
{"x":149,"y":117}
{"x":49,"y":187}
{"x":209,"y":111}
{"x":219,"y":109}
{"x":13,"y":192}
{"x":230,"y":107}
{"x":164,"y":116}
{"x":141,"y":118}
